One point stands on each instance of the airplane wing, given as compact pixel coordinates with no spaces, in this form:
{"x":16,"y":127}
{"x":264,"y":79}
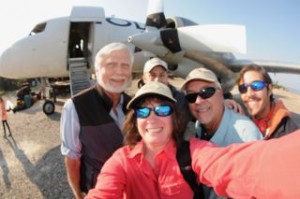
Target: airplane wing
{"x":270,"y":66}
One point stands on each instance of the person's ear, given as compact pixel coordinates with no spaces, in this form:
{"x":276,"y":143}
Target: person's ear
{"x":270,"y":89}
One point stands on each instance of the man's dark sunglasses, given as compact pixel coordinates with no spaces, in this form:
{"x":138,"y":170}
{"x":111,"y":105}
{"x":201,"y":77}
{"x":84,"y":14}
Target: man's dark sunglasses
{"x":255,"y":86}
{"x":162,"y":111}
{"x":204,"y":93}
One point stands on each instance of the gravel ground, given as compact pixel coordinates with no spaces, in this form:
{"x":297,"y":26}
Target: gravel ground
{"x":31,"y":165}
{"x":30,"y":160}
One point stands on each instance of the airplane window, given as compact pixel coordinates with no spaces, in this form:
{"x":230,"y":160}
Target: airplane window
{"x":38,"y":28}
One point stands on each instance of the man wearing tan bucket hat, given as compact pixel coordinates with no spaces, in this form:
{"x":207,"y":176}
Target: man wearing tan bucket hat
{"x":215,"y":122}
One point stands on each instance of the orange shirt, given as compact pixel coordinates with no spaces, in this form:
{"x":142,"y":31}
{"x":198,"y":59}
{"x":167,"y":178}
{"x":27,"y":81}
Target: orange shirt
{"x":3,"y":111}
{"x":127,"y":174}
{"x":259,"y":169}
{"x":269,"y":124}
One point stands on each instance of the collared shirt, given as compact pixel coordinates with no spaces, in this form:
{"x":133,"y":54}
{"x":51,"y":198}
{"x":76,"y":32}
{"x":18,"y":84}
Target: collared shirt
{"x":119,"y":116}
{"x":70,"y":128}
{"x":237,"y":171}
{"x":234,"y":128}
{"x":277,"y":123}
{"x":134,"y":177}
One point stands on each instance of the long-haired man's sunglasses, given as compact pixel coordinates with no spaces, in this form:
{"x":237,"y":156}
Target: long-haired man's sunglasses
{"x":162,"y":111}
{"x":255,"y":86}
{"x":204,"y":93}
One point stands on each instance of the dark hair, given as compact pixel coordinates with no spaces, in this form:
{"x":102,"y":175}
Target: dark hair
{"x":140,"y":83}
{"x":253,"y":67}
{"x":131,"y":134}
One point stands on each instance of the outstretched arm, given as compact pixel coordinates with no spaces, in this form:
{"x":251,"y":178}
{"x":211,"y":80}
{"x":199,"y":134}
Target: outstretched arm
{"x":260,"y":169}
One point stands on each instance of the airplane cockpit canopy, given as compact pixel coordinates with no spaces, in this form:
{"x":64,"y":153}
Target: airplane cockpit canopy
{"x":38,"y":28}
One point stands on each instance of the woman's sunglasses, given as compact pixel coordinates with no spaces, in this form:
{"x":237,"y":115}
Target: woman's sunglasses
{"x":204,"y":93}
{"x":255,"y":86}
{"x":162,"y":111}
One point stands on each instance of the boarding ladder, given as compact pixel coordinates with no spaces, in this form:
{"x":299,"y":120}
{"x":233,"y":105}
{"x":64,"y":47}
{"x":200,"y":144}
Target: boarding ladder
{"x":79,"y":76}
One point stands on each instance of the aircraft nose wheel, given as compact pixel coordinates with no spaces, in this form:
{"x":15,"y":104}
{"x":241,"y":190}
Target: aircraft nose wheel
{"x":48,"y":107}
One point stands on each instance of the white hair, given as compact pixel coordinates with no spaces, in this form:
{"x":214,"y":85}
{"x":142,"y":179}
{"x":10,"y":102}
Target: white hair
{"x":109,"y":48}
{"x":101,"y":55}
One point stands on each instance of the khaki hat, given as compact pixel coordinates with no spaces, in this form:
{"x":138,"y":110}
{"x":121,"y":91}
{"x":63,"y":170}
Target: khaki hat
{"x":151,"y":89}
{"x":151,"y":63}
{"x":200,"y":74}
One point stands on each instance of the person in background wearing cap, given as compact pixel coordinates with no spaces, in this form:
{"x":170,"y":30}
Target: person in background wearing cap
{"x":215,"y":122}
{"x":146,"y":167}
{"x":91,"y":121}
{"x":270,"y":115}
{"x":156,"y":70}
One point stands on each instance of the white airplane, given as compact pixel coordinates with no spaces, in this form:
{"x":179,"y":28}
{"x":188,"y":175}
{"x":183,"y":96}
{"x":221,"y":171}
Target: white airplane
{"x":66,"y":47}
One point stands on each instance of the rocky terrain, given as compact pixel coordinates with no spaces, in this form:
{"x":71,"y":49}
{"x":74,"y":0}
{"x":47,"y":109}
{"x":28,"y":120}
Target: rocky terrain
{"x":31,"y":166}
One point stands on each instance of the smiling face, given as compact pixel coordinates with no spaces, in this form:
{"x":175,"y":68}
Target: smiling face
{"x":156,"y":131}
{"x":257,"y":102}
{"x":207,"y":111}
{"x":114,"y":71}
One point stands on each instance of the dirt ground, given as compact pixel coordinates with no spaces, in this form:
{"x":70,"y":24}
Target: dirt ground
{"x":31,"y":165}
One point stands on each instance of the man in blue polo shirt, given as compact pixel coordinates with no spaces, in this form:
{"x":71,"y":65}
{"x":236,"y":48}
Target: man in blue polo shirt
{"x":215,"y":122}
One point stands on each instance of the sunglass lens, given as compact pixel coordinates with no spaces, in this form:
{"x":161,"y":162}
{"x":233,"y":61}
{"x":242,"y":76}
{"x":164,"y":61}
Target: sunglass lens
{"x":207,"y":92}
{"x":191,"y":97}
{"x":243,"y":88}
{"x":255,"y":86}
{"x":258,"y":85}
{"x":142,"y":112}
{"x":164,"y":110}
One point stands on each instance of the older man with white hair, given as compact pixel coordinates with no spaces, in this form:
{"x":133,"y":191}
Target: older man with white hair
{"x":91,"y":121}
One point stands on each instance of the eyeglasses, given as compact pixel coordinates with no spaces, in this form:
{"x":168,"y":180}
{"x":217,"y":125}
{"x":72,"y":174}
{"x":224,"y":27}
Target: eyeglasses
{"x":162,"y":111}
{"x":204,"y":93}
{"x":255,"y":86}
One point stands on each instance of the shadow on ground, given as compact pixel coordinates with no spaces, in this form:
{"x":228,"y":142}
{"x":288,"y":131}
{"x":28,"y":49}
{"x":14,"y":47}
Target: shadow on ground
{"x":48,"y":174}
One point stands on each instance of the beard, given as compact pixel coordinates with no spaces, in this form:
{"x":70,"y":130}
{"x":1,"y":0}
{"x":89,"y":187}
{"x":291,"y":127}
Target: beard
{"x":114,"y":89}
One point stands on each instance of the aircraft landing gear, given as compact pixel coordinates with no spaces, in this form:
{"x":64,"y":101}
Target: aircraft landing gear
{"x":48,"y":107}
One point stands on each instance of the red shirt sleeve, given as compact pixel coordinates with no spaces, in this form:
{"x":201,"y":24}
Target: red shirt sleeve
{"x":259,"y":169}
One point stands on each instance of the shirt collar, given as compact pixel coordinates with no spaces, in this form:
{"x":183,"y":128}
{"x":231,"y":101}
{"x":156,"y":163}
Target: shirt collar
{"x":169,"y":151}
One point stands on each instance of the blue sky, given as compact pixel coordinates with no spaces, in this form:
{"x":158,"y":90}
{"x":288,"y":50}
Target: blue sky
{"x":273,"y":26}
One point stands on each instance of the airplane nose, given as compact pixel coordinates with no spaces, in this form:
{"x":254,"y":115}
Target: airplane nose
{"x":7,"y":64}
{"x":3,"y":67}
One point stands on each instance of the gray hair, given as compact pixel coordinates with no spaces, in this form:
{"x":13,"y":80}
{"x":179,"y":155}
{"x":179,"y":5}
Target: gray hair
{"x":106,"y":50}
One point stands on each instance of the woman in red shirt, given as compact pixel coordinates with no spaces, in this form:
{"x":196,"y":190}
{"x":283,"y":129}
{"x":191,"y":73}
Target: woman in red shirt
{"x":146,"y":167}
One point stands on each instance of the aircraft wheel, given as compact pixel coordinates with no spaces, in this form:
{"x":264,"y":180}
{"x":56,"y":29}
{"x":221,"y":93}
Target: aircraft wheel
{"x":48,"y":107}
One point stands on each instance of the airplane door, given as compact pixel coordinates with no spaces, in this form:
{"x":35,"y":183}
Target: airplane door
{"x":81,"y":36}
{"x":78,"y":39}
